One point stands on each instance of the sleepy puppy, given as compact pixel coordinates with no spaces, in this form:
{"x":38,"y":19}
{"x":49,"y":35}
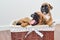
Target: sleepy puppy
{"x":23,"y":22}
{"x":45,"y":9}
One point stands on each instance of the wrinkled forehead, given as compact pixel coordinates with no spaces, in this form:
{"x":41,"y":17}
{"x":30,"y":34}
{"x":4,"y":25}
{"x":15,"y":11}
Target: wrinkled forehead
{"x":45,"y":4}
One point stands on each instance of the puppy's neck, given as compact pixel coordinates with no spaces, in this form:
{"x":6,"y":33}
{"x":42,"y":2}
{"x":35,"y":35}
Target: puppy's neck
{"x":45,"y":13}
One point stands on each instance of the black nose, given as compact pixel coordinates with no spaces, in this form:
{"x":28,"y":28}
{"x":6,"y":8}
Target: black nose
{"x":18,"y":23}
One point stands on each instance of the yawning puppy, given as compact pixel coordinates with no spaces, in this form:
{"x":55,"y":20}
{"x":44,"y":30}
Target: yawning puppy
{"x":45,"y":9}
{"x":37,"y":18}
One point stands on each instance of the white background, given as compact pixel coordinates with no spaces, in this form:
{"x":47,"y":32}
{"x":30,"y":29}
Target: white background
{"x":16,"y":9}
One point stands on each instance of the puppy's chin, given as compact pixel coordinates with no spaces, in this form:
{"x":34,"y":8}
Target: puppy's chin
{"x":44,"y":13}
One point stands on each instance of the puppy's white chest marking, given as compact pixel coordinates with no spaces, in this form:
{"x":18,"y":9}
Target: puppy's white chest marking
{"x":47,"y":17}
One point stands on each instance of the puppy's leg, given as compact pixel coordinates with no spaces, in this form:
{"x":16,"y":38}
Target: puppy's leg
{"x":50,"y":23}
{"x":24,"y":24}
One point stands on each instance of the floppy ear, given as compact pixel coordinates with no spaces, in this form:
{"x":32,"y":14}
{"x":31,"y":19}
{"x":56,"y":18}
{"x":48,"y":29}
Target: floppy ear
{"x":50,"y":6}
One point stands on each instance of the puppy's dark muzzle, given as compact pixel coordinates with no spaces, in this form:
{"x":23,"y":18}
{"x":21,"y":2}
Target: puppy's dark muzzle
{"x":45,"y":9}
{"x":35,"y":17}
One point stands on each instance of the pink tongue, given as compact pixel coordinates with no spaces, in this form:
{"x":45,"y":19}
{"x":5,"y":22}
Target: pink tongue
{"x":32,"y":22}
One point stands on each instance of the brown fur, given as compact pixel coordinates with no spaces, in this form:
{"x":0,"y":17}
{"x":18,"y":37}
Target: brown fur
{"x":25,"y":21}
{"x":49,"y":22}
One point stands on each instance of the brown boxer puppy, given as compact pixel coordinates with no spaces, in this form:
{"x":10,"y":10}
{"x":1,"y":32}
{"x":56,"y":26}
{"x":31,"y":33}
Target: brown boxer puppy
{"x":23,"y":22}
{"x":45,"y":9}
{"x":37,"y":19}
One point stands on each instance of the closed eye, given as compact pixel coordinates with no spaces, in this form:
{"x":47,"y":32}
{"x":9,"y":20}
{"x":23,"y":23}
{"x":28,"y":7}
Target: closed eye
{"x":46,"y":6}
{"x":42,"y":6}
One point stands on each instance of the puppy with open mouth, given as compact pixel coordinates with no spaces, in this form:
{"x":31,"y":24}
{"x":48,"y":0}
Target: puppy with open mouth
{"x":37,"y":18}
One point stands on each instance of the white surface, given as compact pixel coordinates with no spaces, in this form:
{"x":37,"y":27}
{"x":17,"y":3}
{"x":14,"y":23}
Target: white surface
{"x":28,"y":28}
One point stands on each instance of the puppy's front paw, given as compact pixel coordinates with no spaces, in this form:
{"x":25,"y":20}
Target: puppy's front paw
{"x":24,"y":24}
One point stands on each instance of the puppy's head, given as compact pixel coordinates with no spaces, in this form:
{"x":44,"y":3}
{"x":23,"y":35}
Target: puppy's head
{"x":46,"y":7}
{"x":35,"y":17}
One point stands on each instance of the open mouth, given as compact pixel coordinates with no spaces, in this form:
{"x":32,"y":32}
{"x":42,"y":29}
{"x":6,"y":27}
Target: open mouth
{"x":35,"y":19}
{"x":33,"y":22}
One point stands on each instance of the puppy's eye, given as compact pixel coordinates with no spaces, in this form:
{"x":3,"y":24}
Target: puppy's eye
{"x":32,"y":15}
{"x":18,"y":23}
{"x":46,"y":6}
{"x":42,"y":6}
